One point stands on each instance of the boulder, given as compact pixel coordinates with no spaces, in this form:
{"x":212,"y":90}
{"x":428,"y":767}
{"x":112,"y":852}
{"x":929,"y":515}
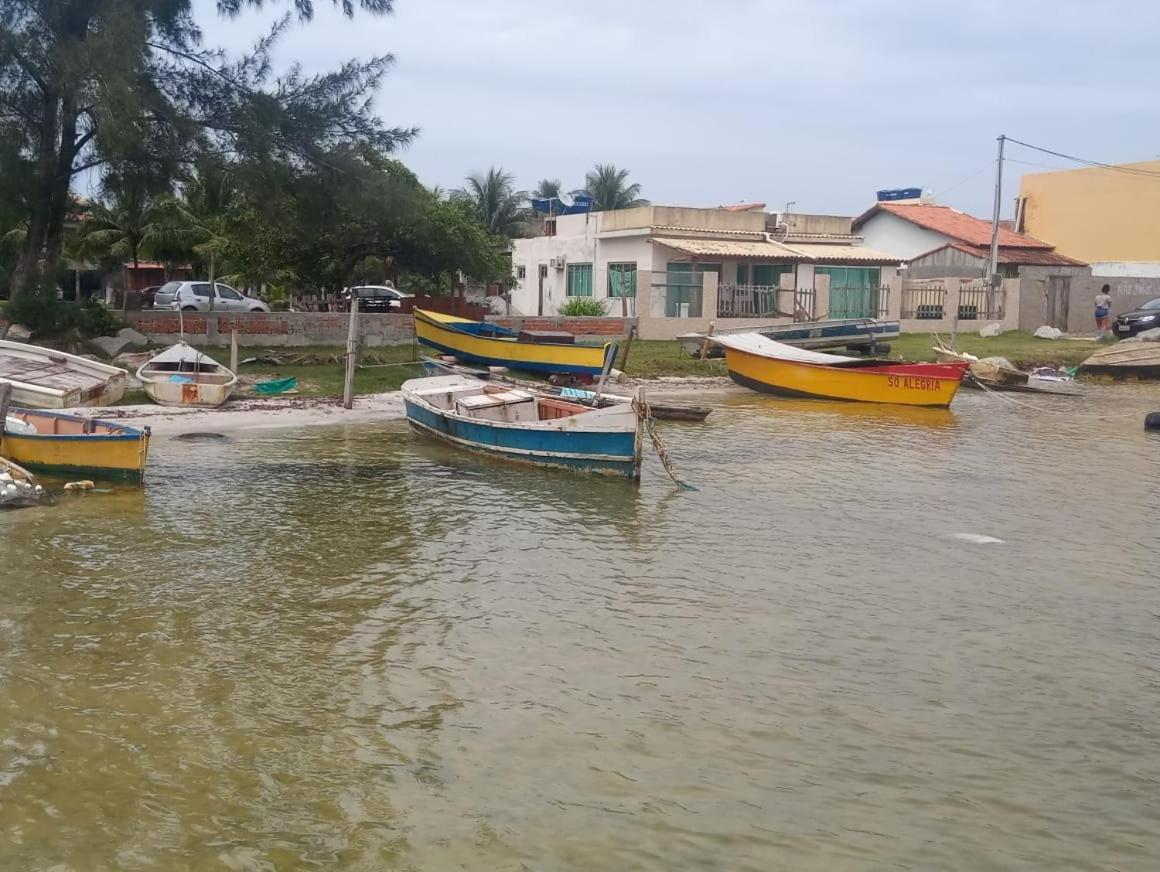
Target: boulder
{"x":991,"y":330}
{"x":18,"y":333}
{"x":1046,"y":332}
{"x":1152,"y":335}
{"x":136,"y":341}
{"x":132,"y":361}
{"x":109,"y":346}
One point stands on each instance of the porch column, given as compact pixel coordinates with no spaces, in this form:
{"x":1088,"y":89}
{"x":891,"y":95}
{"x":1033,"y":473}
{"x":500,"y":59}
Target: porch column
{"x":821,"y":297}
{"x":710,"y":285}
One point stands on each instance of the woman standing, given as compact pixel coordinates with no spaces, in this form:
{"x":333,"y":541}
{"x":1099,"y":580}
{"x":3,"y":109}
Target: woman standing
{"x":1103,"y":308}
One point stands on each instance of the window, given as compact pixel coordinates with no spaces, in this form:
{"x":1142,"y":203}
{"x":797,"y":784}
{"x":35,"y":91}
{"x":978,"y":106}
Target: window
{"x":200,"y":289}
{"x":521,"y":272}
{"x":227,"y":293}
{"x":769,"y":274}
{"x":742,"y":273}
{"x":684,"y":288}
{"x":622,"y":280}
{"x":579,"y":280}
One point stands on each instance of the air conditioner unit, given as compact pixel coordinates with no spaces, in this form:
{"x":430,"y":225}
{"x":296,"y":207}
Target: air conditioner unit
{"x":558,"y":262}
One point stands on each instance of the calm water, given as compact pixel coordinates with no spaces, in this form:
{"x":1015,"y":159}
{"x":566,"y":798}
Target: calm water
{"x":352,"y":649}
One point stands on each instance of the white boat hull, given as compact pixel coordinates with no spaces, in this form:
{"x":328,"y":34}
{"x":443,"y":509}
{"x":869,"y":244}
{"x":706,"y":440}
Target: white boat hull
{"x":44,"y":378}
{"x":183,"y":376}
{"x":166,"y":393}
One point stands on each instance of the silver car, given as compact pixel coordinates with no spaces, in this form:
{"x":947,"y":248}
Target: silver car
{"x":195,"y":297}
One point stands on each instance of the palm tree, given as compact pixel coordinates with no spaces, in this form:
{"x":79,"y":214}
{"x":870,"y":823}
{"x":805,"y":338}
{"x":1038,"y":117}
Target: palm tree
{"x":124,"y":229}
{"x":199,"y":219}
{"x":495,"y":200}
{"x":78,"y":256}
{"x":548,"y":189}
{"x":609,"y":189}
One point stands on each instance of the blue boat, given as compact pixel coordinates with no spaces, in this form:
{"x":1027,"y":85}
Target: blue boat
{"x":520,"y":426}
{"x":851,"y":332}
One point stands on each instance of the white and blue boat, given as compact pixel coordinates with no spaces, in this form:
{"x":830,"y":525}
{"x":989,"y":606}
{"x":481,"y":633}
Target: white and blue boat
{"x":524,"y":427}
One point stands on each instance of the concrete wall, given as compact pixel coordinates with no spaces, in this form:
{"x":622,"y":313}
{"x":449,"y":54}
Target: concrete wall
{"x":1011,"y":308}
{"x":681,"y":216}
{"x":1126,"y":294}
{"x":798,"y":222}
{"x":1096,"y":214}
{"x":899,"y":238}
{"x":1138,"y":269}
{"x":274,"y":329}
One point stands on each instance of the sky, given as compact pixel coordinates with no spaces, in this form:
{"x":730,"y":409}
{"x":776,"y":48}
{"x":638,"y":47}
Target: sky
{"x":818,"y":102}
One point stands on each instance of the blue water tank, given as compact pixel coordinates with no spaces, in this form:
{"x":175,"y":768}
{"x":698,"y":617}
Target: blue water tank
{"x":899,"y":194}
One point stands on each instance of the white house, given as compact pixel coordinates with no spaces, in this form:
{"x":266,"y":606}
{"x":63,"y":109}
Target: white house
{"x":759,"y":264}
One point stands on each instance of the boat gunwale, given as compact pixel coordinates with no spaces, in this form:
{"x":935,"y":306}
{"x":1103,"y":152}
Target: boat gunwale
{"x":879,"y":366}
{"x":423,"y":315}
{"x":128,"y":431}
{"x":619,"y":408}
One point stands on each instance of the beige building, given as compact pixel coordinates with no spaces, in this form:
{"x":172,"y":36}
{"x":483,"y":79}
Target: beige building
{"x":1097,"y":215}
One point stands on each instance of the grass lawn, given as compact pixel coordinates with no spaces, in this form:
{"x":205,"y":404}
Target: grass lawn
{"x":319,"y":369}
{"x":1019,"y":347}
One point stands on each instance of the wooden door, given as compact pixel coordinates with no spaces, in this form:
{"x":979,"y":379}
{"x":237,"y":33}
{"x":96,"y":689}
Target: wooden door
{"x":1058,"y":298}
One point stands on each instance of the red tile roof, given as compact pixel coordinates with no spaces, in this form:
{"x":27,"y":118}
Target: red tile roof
{"x":743,"y":207}
{"x":1020,"y":255}
{"x":953,"y":223}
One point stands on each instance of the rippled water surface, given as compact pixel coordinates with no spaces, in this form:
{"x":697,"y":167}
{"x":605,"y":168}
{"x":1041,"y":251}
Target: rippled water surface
{"x":353,"y":649}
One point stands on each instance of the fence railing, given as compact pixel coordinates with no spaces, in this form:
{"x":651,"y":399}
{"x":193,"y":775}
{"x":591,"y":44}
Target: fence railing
{"x":976,"y":303}
{"x":926,"y":300}
{"x":764,"y":301}
{"x":750,"y":301}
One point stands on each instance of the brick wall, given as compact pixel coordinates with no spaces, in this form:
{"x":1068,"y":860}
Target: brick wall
{"x":274,"y":329}
{"x":608,"y":328}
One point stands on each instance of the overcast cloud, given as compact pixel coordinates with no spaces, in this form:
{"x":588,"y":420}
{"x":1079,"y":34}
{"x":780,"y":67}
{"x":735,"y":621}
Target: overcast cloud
{"x":820,"y":101}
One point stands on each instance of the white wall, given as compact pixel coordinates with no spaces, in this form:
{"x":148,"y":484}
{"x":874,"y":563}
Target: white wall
{"x":576,"y":241}
{"x":898,"y":237}
{"x":1139,"y":269}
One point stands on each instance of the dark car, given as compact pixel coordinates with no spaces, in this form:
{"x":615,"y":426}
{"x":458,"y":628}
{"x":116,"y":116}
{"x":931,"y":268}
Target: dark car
{"x":1138,"y":320}
{"x":377,"y":298}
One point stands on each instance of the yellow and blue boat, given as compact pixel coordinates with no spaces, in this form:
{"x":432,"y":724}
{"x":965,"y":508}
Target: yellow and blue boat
{"x":54,"y":442}
{"x":493,"y":345}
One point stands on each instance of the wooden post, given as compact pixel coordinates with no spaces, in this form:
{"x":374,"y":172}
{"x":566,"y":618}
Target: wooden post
{"x":609,"y":359}
{"x":705,"y":344}
{"x":627,"y":349}
{"x":234,"y":351}
{"x":351,"y":351}
{"x":5,"y":399}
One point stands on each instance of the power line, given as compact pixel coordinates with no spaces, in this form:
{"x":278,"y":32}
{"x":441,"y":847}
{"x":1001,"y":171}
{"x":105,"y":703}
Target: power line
{"x":1091,"y":163}
{"x":943,"y":191}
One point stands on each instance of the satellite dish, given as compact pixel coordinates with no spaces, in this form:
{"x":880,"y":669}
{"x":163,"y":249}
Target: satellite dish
{"x":567,"y":200}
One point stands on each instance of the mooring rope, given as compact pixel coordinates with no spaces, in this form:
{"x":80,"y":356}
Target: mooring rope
{"x":644,"y":413}
{"x":1043,"y":411}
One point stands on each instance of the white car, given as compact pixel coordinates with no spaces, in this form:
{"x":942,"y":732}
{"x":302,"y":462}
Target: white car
{"x":195,"y":297}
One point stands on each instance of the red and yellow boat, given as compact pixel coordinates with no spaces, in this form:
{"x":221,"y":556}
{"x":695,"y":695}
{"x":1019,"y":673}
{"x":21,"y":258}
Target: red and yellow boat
{"x":771,"y":367}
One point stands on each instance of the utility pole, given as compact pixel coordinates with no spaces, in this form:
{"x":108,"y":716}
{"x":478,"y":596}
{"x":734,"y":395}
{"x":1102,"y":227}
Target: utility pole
{"x":993,"y":260}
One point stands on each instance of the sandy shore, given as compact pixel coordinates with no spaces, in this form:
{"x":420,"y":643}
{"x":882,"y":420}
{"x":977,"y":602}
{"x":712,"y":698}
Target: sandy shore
{"x":256,"y":414}
{"x":264,"y":414}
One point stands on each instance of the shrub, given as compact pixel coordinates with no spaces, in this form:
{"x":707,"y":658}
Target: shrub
{"x":581,"y":306}
{"x":45,"y":315}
